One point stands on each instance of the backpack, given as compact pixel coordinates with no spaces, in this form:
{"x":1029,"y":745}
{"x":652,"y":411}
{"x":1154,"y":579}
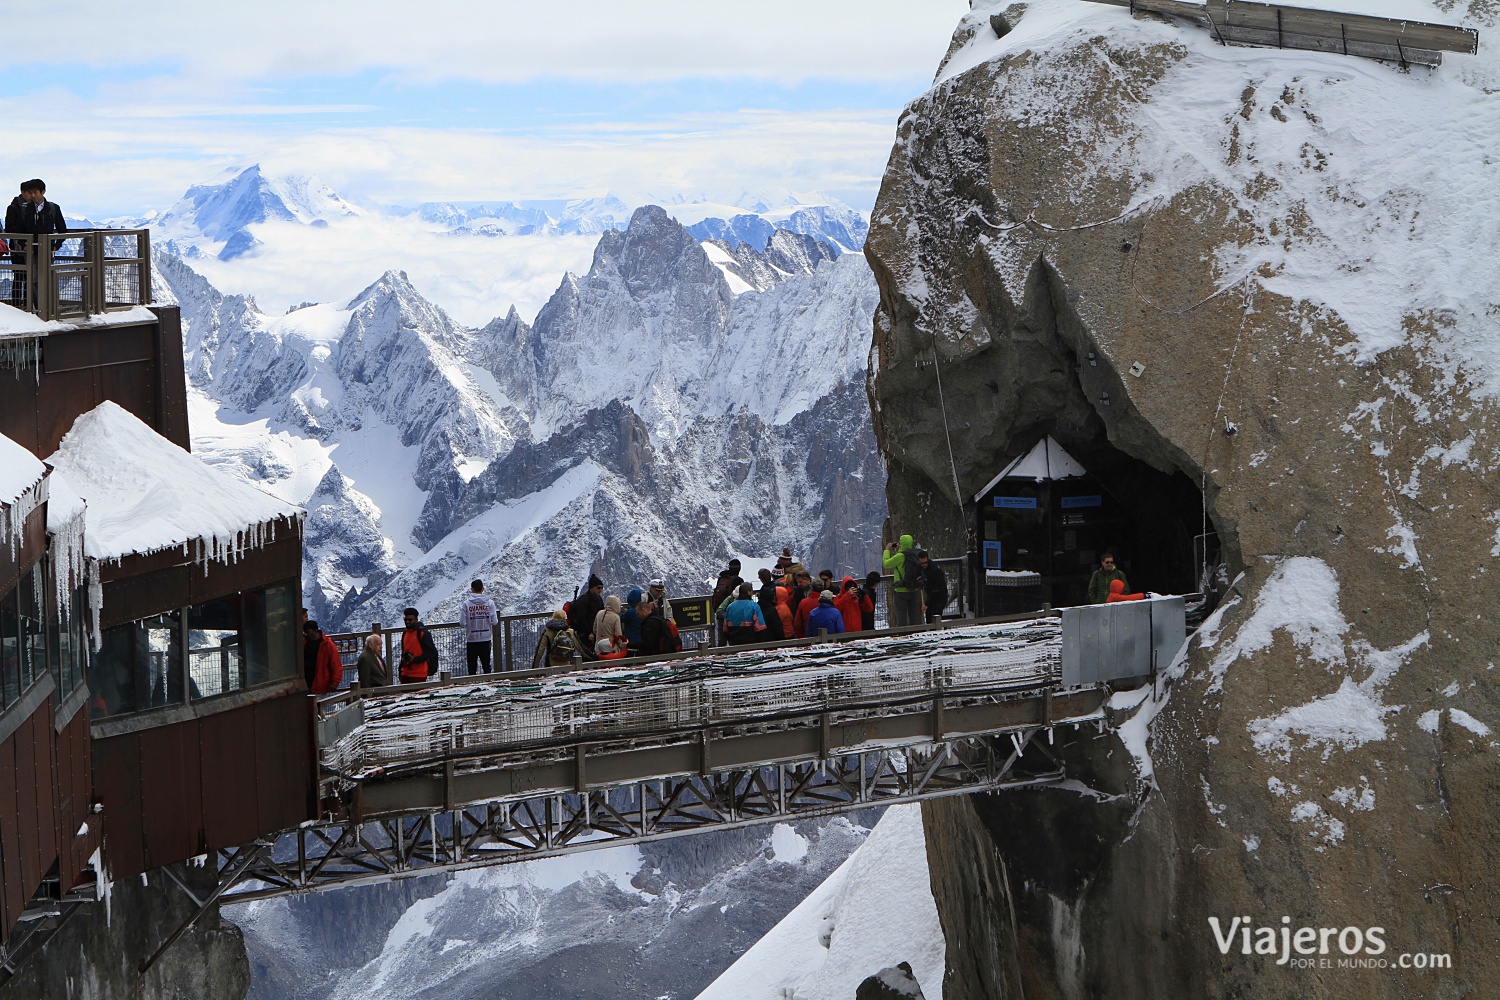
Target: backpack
{"x":565,"y":644}
{"x":671,"y":640}
{"x":911,"y":571}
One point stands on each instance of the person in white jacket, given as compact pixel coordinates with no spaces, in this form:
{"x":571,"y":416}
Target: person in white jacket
{"x":479,"y":618}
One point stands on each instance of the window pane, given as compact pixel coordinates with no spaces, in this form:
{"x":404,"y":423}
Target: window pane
{"x":215,"y":661}
{"x":10,"y":650}
{"x":158,"y":661}
{"x":281,"y":633}
{"x":112,"y":673}
{"x":33,"y":595}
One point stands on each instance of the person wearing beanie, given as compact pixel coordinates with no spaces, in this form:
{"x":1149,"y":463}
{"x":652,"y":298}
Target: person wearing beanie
{"x":743,"y":621}
{"x":605,"y":649}
{"x":630,"y":619}
{"x":584,"y":609}
{"x":825,"y":617}
{"x":607,"y":625}
{"x":785,"y":561}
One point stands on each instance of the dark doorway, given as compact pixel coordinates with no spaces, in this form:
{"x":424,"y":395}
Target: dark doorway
{"x":1047,"y":517}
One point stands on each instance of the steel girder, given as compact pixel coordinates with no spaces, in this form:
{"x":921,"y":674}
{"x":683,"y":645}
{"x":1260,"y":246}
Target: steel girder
{"x":329,"y":855}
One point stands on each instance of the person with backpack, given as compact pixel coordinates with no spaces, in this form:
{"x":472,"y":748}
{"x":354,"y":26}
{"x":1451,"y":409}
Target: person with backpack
{"x":825,"y":617}
{"x":419,"y":658}
{"x":653,"y":627}
{"x":743,"y":621}
{"x":900,"y":560}
{"x":558,"y":644}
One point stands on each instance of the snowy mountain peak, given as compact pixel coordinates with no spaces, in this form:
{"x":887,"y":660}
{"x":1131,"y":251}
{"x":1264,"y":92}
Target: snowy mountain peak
{"x":222,"y":208}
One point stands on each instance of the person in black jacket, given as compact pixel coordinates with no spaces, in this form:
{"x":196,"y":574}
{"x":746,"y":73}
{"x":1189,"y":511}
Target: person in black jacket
{"x":653,"y":627}
{"x":35,"y":216}
{"x":584,"y":609}
{"x":934,"y":587}
{"x":871,"y":589}
{"x":15,"y":222}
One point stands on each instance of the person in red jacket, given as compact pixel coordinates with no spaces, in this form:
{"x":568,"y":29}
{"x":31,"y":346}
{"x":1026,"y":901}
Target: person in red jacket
{"x":328,"y":668}
{"x":806,"y":607}
{"x":418,"y":654}
{"x":851,"y":604}
{"x":1117,"y":593}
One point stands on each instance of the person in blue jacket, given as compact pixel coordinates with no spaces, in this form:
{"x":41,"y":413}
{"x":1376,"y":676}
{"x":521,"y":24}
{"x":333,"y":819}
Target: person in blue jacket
{"x":630,"y":619}
{"x":825,"y":617}
{"x":743,"y":621}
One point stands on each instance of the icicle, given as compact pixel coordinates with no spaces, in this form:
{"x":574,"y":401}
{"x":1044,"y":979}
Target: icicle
{"x":13,"y":517}
{"x":96,"y":605}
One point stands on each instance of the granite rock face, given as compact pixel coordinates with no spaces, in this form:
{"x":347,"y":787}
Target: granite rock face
{"x":1081,"y":192}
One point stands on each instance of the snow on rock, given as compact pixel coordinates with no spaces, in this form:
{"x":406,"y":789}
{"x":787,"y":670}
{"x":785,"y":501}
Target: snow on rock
{"x":145,"y":494}
{"x":1301,"y":598}
{"x":847,"y":930}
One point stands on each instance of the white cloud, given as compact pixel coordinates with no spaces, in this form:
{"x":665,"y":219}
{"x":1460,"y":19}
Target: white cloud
{"x":519,"y":40}
{"x":123,"y":166}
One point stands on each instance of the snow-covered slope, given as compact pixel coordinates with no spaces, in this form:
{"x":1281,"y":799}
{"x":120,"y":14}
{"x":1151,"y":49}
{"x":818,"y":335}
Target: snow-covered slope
{"x":876,"y":911}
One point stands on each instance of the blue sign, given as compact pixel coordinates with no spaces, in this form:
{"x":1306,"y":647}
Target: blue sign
{"x":991,"y":555}
{"x":1072,"y":502}
{"x":1016,"y":503}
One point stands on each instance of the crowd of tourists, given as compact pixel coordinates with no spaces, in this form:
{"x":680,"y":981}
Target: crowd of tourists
{"x":786,"y":601}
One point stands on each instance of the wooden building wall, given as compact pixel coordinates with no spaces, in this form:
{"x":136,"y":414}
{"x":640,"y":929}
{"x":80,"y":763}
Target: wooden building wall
{"x":137,"y":366}
{"x":176,"y":791}
{"x":45,"y":776}
{"x":188,"y":779}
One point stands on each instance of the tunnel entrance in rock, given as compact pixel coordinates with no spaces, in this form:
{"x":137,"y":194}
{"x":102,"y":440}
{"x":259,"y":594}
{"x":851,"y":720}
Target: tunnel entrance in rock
{"x":1046,"y":519}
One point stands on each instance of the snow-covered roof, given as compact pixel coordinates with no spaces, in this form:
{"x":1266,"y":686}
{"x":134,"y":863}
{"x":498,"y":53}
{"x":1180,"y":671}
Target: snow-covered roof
{"x":1045,"y":461}
{"x":21,"y":490}
{"x":19,"y":323}
{"x":145,"y":494}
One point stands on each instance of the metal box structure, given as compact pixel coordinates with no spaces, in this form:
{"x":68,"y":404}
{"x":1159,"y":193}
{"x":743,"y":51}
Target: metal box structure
{"x":1121,"y":641}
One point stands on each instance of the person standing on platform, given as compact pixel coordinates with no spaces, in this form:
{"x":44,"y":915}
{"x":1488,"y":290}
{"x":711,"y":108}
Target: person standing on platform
{"x":1103,"y":577}
{"x":480,"y":619}
{"x":870,"y":591}
{"x":373,"y":671}
{"x":906,"y":582}
{"x":584,"y":609}
{"x":419,"y":659}
{"x":38,"y":217}
{"x":825,"y":617}
{"x":934,"y":587}
{"x":328,"y":668}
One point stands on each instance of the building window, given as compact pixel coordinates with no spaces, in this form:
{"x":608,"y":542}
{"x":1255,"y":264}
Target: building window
{"x":66,"y":643}
{"x":217,"y":647}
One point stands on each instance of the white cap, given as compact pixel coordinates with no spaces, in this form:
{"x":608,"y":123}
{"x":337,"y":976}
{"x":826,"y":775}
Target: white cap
{"x":658,"y":582}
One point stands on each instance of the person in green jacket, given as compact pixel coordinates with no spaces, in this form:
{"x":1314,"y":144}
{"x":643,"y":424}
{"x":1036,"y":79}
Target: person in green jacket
{"x":1103,"y":576}
{"x":906,"y":601}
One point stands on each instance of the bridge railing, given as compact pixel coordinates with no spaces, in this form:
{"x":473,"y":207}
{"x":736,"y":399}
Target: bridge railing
{"x":516,"y":636}
{"x":61,"y":276}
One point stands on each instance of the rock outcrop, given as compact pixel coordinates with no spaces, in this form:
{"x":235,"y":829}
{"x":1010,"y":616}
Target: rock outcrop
{"x":1279,"y":244}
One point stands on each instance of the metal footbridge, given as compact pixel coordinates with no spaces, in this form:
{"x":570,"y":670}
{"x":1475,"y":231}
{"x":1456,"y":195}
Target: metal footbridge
{"x":446,"y":776}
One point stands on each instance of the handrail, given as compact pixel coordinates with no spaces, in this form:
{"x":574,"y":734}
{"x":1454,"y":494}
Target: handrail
{"x":504,"y":658}
{"x":109,"y":271}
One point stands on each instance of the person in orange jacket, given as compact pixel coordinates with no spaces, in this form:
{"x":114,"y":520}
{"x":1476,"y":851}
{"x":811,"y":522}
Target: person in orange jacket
{"x":418,"y":653}
{"x":328,"y":667}
{"x":1117,"y":593}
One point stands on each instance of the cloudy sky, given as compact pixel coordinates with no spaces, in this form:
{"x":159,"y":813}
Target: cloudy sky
{"x":125,"y":105}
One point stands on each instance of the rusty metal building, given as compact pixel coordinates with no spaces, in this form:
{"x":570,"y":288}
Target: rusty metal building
{"x":168,"y":716}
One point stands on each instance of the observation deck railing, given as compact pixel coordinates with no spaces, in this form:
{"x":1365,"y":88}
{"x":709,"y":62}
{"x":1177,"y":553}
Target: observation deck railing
{"x":74,"y":275}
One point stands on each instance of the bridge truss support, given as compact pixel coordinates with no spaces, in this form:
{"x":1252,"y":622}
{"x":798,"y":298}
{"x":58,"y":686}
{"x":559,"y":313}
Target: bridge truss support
{"x":329,"y":855}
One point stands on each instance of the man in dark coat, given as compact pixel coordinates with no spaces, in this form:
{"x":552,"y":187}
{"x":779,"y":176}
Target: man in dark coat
{"x":870,"y":589}
{"x":934,"y":587}
{"x":35,"y":216}
{"x":585,"y":608}
{"x":653,"y":627}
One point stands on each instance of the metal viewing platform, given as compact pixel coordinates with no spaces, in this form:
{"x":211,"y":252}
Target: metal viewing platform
{"x":74,"y":275}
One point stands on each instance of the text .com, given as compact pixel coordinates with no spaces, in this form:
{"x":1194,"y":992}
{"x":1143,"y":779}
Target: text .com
{"x":1318,"y":947}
